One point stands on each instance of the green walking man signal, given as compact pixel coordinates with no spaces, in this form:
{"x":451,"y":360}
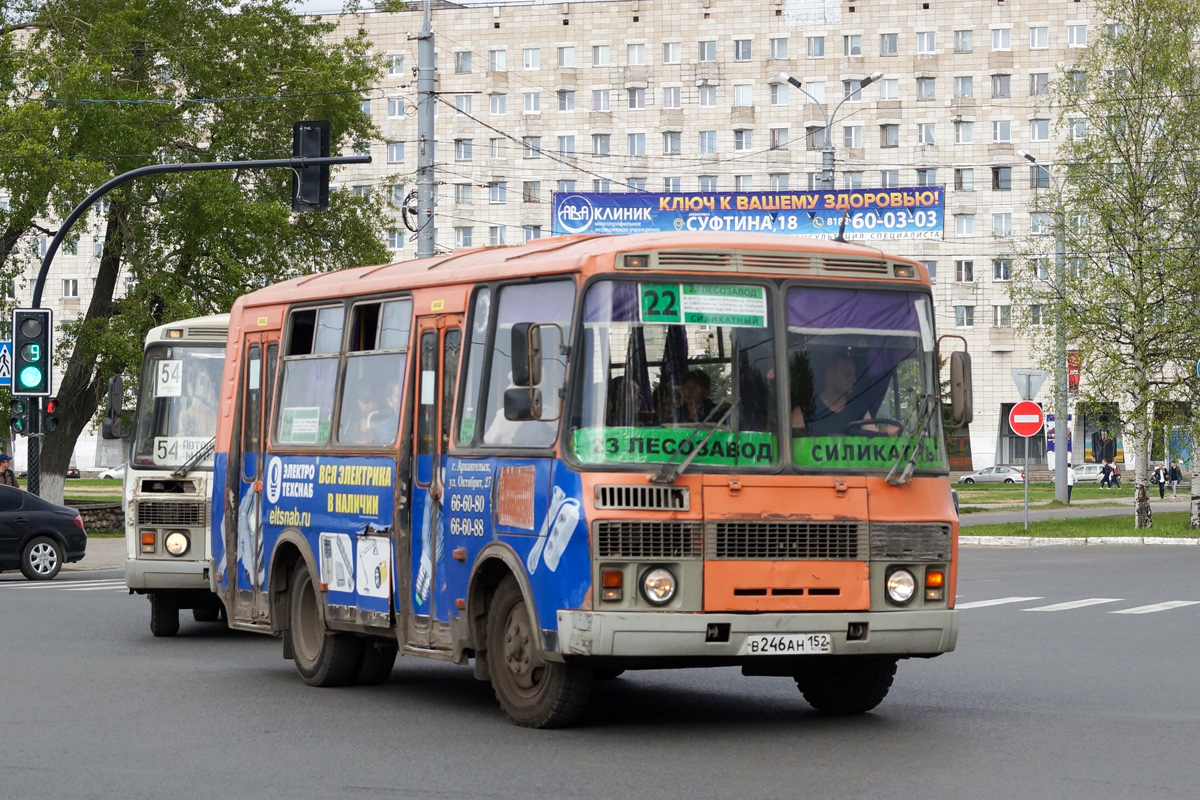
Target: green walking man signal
{"x":18,"y":415}
{"x":33,"y":346}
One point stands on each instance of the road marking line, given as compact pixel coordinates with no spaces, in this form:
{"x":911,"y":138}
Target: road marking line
{"x":91,"y":588}
{"x":1091,"y":601}
{"x":63,"y":584}
{"x":997,"y":602}
{"x":1158,"y":607}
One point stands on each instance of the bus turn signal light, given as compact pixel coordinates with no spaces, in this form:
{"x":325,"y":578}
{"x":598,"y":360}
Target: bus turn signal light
{"x":147,"y":538}
{"x":612,"y":584}
{"x":935,"y":585}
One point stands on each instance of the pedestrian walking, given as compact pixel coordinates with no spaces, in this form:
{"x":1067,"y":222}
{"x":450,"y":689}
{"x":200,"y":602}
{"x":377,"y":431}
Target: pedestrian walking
{"x":1175,"y":476}
{"x":1105,"y":473}
{"x":7,"y":476}
{"x":1114,"y":480}
{"x":1070,"y":482}
{"x":1160,"y":477}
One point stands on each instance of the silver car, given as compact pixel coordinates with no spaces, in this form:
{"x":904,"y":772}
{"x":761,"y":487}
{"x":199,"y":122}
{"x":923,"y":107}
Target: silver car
{"x":1088,"y":473}
{"x":994,"y":475}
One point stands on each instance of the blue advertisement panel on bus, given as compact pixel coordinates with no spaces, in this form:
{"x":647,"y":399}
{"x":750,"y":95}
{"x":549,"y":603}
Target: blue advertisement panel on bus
{"x":901,"y":213}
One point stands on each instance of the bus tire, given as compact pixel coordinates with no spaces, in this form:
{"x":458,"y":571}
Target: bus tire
{"x":607,"y":673}
{"x":206,"y":614}
{"x":846,"y":684}
{"x":378,"y":660}
{"x":533,"y":692}
{"x":164,"y":614}
{"x":323,"y":657}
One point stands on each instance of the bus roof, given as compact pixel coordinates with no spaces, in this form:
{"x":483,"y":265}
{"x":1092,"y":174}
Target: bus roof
{"x":796,"y":256}
{"x":213,"y":328}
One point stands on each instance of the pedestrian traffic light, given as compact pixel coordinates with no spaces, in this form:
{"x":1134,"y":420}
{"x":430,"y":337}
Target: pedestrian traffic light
{"x":33,"y":342}
{"x":18,"y":415}
{"x":310,"y":185}
{"x":50,"y":415}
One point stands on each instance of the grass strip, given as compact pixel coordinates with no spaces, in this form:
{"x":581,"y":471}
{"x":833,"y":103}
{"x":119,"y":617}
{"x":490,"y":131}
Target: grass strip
{"x":1173,"y":525}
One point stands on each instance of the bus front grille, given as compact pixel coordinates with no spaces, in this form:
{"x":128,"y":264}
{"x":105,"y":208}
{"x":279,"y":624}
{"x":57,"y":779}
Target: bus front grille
{"x":629,"y":497}
{"x":648,"y":539}
{"x":154,"y":512}
{"x":785,"y":541}
{"x":910,"y":541}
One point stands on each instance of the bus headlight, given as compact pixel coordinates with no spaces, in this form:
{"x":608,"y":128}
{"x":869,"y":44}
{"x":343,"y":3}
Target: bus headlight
{"x":177,"y":543}
{"x":901,"y":586}
{"x":658,"y":586}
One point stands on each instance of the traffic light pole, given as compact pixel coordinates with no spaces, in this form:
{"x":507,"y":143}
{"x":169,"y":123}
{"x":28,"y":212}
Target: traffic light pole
{"x":33,"y":453}
{"x":33,"y":482}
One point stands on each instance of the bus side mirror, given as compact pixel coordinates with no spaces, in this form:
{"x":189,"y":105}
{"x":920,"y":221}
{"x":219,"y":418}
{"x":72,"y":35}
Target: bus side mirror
{"x":110,"y":426}
{"x":962,"y":400}
{"x":527,"y":354}
{"x":522,"y":403}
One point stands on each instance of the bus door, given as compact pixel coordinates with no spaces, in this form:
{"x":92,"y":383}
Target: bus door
{"x":439,"y":340}
{"x":244,"y":545}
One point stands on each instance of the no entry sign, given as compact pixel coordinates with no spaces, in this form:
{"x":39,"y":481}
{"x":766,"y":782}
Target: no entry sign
{"x":1026,"y":419}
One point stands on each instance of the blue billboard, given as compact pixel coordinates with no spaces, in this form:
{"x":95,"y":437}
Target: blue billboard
{"x":908,"y":213}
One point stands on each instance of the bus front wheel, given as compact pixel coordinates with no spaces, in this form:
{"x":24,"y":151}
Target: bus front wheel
{"x":846,"y":684}
{"x":164,"y":614}
{"x":534,"y":692}
{"x":323,"y":658}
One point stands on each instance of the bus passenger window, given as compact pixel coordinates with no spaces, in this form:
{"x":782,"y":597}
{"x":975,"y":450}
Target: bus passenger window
{"x":480,"y":316}
{"x":370,"y":408}
{"x":309,"y":376}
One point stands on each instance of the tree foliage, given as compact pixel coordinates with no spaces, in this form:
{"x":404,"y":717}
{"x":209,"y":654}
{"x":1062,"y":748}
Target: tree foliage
{"x":100,"y":87}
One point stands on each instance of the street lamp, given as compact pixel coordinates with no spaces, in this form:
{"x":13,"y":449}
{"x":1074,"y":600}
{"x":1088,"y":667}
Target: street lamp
{"x":827,"y":148}
{"x":1061,"y":422}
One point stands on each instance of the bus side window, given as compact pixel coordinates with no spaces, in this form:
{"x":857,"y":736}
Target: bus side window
{"x":252,"y":412}
{"x":451,"y":345}
{"x":309,"y":376}
{"x":427,"y":419}
{"x":269,"y":380}
{"x":480,"y":317}
{"x":375,"y":361}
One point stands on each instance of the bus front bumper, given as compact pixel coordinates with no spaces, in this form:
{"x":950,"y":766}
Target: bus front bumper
{"x":664,"y":634}
{"x":153,"y":575}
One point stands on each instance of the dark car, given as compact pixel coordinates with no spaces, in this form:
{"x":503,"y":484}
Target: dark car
{"x":72,"y":472}
{"x":37,"y":536}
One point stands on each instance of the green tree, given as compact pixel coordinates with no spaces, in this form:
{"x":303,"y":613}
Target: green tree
{"x":100,"y":87}
{"x":1124,"y":202}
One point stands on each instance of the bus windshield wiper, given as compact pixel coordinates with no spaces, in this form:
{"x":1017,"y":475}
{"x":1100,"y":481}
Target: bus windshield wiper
{"x":924,"y":415}
{"x":200,"y":455}
{"x":671,"y":470}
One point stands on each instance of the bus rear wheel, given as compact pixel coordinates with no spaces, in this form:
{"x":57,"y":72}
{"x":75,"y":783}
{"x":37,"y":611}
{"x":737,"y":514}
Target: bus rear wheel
{"x":534,"y":692}
{"x":377,"y":662}
{"x":846,"y":684}
{"x":323,"y":657}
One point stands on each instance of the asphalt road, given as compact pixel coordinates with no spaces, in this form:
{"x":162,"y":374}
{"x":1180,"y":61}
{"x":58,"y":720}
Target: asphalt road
{"x":1066,"y":702}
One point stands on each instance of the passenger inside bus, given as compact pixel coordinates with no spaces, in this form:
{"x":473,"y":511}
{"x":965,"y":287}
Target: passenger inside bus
{"x":837,"y":406}
{"x":199,"y":418}
{"x":386,"y":421}
{"x":624,"y":402}
{"x":696,"y":404}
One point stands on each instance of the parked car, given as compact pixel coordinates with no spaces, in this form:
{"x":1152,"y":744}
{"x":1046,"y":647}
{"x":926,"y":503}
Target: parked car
{"x":994,"y":475}
{"x":72,"y":472}
{"x":37,"y":536}
{"x":1088,"y":473}
{"x":117,"y":472}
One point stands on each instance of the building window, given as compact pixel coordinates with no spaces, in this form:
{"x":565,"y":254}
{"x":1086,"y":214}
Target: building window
{"x":566,"y":56}
{"x":70,"y":287}
{"x":1077,"y":36}
{"x":1078,"y":79}
{"x":889,"y":178}
{"x":889,"y":135}
{"x":963,"y":42}
{"x":566,"y":146}
{"x":1039,"y":176}
{"x":1039,"y":38}
{"x":926,"y":88}
{"x":497,"y":61}
{"x":498,"y":104}
{"x":932,"y":267}
{"x":462,"y":62}
{"x":964,"y":271}
{"x":532,"y":232}
{"x":1002,"y":269}
{"x":889,"y":89}
{"x":531,"y":191}
{"x":496,"y":235}
{"x":531,"y":146}
{"x":601,"y":142}
{"x":708,"y":51}
{"x":925,"y":42}
{"x":1037,"y":315}
{"x":964,"y":86}
{"x":964,"y":316}
{"x":1040,"y":267}
{"x":964,"y":179}
{"x":637,"y":99}
{"x":1001,"y":85}
{"x":815,"y":138}
{"x":926,"y":133}
{"x":852,"y":180}
{"x":462,"y":194}
{"x":1002,"y":316}
{"x":779,"y":48}
{"x":708,"y":97}
{"x":1001,"y":39}
{"x":566,"y":100}
{"x":462,"y":236}
{"x":964,"y":224}
{"x":743,"y":95}
{"x":742,"y":140}
{"x":708,"y":183}
{"x":815,"y":46}
{"x":852,"y":135}
{"x":1039,"y":223}
{"x":888,"y":44}
{"x":1079,"y":129}
{"x":637,"y":184}
{"x":395,"y":65}
{"x":462,"y":149}
{"x":671,"y":143}
{"x":708,"y":141}
{"x":672,"y":52}
{"x":1002,"y":224}
{"x":366,"y":108}
{"x":566,"y":186}
{"x":498,"y":192}
{"x":741,"y":49}
{"x":779,"y":182}
{"x":779,"y":138}
{"x":635,"y":55}
{"x":852,"y":91}
{"x":743,"y":183}
{"x":1001,"y":179}
{"x":496,"y":148}
{"x":531,"y":58}
{"x":816,"y":92}
{"x":395,"y":240}
{"x":1039,"y":130}
{"x":600,"y":55}
{"x":852,"y":45}
{"x":462,"y":104}
{"x":533,"y":102}
{"x":601,"y":185}
{"x":395,"y":108}
{"x":395,"y":152}
{"x":671,"y":185}
{"x":1001,"y":130}
{"x":927,"y":177}
{"x":671,"y":97}
{"x":779,"y":94}
{"x":964,"y":132}
{"x":637,"y":144}
{"x":600,"y":100}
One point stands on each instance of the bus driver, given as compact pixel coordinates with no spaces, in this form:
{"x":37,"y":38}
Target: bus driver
{"x":836,"y":408}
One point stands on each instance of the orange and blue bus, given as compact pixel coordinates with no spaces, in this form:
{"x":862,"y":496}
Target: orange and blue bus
{"x":591,"y":454}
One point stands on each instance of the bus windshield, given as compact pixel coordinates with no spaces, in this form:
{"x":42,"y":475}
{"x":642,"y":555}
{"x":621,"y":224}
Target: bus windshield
{"x":862,"y":379}
{"x":677,"y":370}
{"x":177,"y":405}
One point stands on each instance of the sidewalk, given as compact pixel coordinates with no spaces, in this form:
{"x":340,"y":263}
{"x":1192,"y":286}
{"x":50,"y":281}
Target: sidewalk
{"x":1079,"y":508}
{"x":106,"y":553}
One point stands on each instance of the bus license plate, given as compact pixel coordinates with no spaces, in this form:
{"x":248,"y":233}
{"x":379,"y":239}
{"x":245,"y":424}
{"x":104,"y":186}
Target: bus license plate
{"x":786,"y":644}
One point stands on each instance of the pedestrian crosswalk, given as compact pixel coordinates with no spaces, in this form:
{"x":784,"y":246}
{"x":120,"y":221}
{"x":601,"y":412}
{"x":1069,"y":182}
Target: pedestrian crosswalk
{"x":1072,"y":605}
{"x":66,"y":585}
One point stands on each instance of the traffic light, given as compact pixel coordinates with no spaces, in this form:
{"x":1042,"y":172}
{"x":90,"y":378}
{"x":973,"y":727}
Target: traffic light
{"x":310,"y":185}
{"x":18,"y":415}
{"x":50,"y":415}
{"x":33,"y":342}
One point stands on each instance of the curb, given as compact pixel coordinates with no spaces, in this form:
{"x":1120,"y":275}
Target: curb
{"x":1043,"y":541}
